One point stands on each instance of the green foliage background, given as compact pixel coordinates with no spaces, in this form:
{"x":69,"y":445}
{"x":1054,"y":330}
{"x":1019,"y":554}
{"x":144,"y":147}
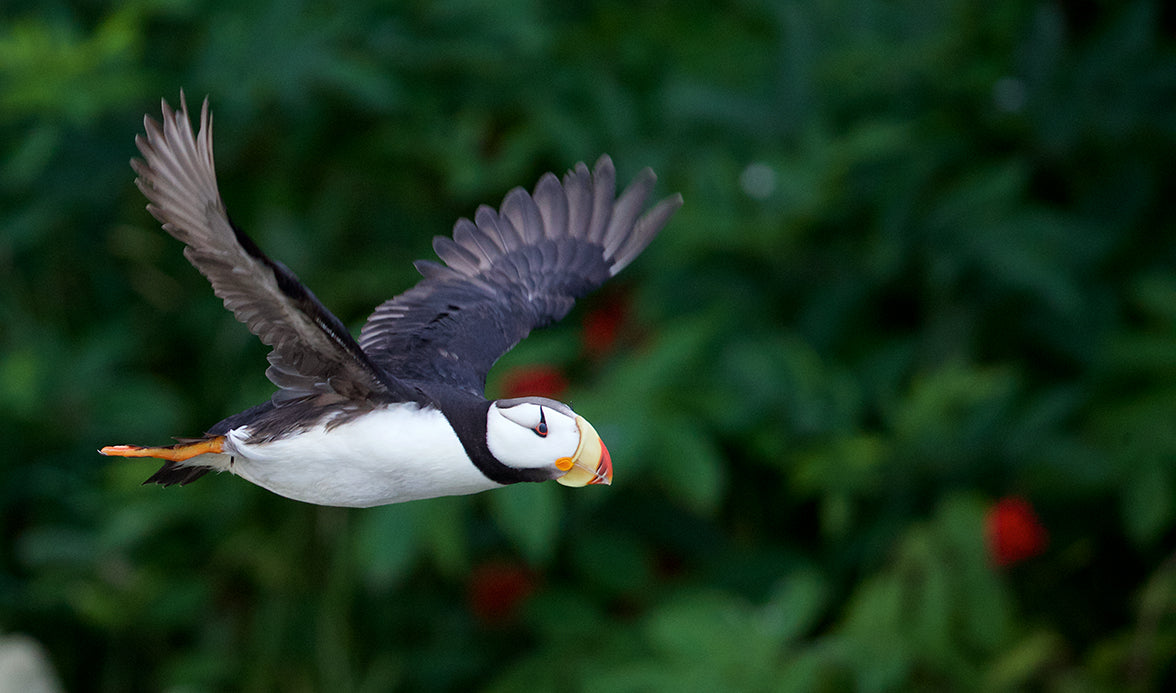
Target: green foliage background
{"x":926,"y":261}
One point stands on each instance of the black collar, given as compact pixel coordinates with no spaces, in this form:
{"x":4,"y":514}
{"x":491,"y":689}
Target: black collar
{"x":467,"y":413}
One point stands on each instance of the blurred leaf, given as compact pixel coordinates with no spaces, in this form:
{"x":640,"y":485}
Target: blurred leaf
{"x":797,"y":605}
{"x":612,"y":562}
{"x":843,"y":464}
{"x":386,"y":542}
{"x":935,"y":598}
{"x":1023,"y":662}
{"x":948,"y":411}
{"x":21,"y":380}
{"x":443,"y":530}
{"x":30,"y":156}
{"x":55,"y":545}
{"x":692,"y":468}
{"x":530,"y":514}
{"x":1149,"y":500}
{"x":50,"y":69}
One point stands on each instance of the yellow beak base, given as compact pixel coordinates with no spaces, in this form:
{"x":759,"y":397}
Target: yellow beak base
{"x":591,"y":463}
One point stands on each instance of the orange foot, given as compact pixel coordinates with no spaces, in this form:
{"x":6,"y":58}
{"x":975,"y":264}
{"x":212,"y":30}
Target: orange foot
{"x":175,"y":453}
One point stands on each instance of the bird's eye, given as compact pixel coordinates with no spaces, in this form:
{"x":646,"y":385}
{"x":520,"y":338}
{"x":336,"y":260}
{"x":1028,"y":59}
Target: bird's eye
{"x":541,"y":427}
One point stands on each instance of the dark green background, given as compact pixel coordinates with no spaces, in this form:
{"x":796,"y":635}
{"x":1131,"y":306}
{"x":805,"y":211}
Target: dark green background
{"x":925,"y":262}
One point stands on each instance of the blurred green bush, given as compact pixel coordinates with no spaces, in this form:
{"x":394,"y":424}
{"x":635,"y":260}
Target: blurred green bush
{"x":925,"y":263}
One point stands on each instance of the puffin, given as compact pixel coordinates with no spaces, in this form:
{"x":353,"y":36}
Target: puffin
{"x":399,"y":413}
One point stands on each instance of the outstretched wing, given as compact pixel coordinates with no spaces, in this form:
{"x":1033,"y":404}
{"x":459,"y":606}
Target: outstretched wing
{"x":313,"y":353}
{"x":511,"y":271}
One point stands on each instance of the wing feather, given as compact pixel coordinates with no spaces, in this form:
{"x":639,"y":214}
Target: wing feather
{"x":603,"y":186}
{"x":455,"y":255}
{"x":577,"y":188}
{"x":521,"y":212}
{"x":312,"y":351}
{"x":625,"y":212}
{"x":510,"y":271}
{"x":552,"y":204}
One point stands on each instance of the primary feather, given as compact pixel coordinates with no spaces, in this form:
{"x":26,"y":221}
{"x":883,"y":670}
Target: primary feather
{"x":313,"y":353}
{"x":511,"y":271}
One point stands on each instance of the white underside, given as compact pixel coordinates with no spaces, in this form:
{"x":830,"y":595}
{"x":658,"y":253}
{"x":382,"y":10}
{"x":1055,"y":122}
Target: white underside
{"x":398,"y":453}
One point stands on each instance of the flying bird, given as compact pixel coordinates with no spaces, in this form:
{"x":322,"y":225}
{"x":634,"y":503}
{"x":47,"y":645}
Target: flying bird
{"x":400,"y":413}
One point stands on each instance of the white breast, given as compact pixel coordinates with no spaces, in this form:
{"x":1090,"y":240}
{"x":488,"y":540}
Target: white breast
{"x":398,"y":453}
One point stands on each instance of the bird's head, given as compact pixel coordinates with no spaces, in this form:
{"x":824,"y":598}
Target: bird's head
{"x":540,"y":433}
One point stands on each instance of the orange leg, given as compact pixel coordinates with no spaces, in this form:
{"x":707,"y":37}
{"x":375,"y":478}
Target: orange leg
{"x":176,"y":453}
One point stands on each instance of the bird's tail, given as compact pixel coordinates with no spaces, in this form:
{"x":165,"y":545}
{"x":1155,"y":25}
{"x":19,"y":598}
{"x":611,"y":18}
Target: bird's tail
{"x":180,"y":466}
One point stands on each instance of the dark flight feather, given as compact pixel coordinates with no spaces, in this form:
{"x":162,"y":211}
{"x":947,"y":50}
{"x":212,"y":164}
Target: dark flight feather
{"x":512,"y":271}
{"x":313,"y":353}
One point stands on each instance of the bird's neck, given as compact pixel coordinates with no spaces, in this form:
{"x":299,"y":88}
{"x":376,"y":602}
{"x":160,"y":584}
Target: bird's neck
{"x":467,"y":415}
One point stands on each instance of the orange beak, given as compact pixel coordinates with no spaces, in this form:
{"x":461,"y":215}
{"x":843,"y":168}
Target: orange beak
{"x":590,"y":464}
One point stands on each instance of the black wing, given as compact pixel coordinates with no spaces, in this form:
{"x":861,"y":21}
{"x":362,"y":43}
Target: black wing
{"x":313,"y":353}
{"x":511,"y":271}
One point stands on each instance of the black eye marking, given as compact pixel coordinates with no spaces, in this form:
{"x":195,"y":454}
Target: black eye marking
{"x":541,"y":428}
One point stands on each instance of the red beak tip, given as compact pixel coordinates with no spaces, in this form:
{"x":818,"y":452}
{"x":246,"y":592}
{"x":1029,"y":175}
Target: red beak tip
{"x":604,"y":470}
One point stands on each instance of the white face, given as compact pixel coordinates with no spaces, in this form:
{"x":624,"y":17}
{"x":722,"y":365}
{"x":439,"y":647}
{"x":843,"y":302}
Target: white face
{"x":532,"y":433}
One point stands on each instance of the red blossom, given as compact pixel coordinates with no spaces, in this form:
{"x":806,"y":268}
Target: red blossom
{"x":498,"y":589}
{"x":543,"y":381}
{"x":1013,"y":531}
{"x":602,"y":325}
